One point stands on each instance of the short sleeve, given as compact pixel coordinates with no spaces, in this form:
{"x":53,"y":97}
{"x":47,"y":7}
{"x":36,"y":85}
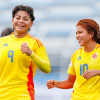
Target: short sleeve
{"x":71,"y":69}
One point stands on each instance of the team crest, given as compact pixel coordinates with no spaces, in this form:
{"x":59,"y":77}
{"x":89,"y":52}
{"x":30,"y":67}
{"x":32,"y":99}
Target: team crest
{"x":25,"y":43}
{"x":94,"y":56}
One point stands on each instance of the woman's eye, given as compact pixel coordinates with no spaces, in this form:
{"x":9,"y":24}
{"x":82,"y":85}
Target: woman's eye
{"x":79,"y":32}
{"x":25,"y":19}
{"x":17,"y":18}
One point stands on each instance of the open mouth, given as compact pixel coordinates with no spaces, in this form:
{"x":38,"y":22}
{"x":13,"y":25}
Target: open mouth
{"x":20,"y":26}
{"x":79,"y":41}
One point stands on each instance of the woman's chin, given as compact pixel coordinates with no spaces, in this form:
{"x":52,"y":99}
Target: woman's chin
{"x":81,"y":44}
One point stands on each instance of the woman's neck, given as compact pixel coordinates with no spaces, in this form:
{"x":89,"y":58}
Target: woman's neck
{"x":19,"y":35}
{"x":90,"y":47}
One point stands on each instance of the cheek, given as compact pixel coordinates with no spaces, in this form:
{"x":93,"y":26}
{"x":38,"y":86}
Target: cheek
{"x":84,"y":36}
{"x":14,"y":22}
{"x":29,"y":25}
{"x":88,"y":36}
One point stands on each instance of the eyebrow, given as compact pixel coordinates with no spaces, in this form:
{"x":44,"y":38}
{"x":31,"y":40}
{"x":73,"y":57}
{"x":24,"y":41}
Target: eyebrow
{"x":24,"y":16}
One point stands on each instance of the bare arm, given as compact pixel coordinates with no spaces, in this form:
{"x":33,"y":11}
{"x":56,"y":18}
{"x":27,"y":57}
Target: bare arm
{"x":91,"y":73}
{"x":66,"y":84}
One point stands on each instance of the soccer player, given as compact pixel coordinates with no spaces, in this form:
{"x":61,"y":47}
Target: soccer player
{"x":20,"y":55}
{"x":6,"y":31}
{"x":84,"y":68}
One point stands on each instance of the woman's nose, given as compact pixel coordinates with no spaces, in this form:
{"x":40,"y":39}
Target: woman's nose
{"x":77,"y":35}
{"x":21,"y":20}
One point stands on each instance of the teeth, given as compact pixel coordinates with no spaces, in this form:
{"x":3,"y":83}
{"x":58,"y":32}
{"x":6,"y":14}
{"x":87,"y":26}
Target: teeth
{"x":21,"y":25}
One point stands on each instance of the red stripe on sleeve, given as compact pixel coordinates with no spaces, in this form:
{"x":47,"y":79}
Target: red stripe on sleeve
{"x":38,"y":43}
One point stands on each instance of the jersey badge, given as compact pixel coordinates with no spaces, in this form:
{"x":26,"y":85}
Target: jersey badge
{"x":25,"y":43}
{"x":94,"y":56}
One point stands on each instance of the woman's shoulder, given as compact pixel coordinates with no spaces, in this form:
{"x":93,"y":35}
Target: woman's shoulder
{"x":32,"y":37}
{"x":4,"y":37}
{"x":37,"y":40}
{"x":77,"y":51}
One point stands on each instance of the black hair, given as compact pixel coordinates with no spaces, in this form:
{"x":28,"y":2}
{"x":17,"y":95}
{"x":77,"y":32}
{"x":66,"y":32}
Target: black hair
{"x":28,"y":9}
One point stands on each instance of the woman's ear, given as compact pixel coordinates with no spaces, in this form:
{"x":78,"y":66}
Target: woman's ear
{"x":12,"y":20}
{"x":92,"y":34}
{"x":31,"y":24}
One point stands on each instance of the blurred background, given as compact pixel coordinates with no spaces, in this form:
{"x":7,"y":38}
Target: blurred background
{"x":55,"y":26}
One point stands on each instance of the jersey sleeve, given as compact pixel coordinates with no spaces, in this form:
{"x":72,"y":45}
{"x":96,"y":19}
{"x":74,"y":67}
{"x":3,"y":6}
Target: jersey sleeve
{"x":40,"y":57}
{"x":71,"y":69}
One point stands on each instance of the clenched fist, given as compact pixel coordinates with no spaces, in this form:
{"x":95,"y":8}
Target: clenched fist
{"x":25,"y":49}
{"x":51,"y":84}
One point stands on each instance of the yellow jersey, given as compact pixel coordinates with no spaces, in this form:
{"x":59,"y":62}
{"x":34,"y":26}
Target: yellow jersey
{"x":85,"y":89}
{"x":17,"y":69}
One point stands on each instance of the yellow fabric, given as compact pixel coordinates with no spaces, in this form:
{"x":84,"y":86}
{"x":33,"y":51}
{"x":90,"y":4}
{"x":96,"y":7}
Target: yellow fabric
{"x":41,"y":63}
{"x":80,"y":62}
{"x":16,"y":68}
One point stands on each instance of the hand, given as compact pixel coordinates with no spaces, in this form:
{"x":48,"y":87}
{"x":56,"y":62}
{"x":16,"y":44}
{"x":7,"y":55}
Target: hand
{"x":51,"y":84}
{"x":90,"y":73}
{"x":25,"y":49}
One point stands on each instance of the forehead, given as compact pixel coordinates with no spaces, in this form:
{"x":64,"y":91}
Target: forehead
{"x":80,"y":28}
{"x":22,"y":13}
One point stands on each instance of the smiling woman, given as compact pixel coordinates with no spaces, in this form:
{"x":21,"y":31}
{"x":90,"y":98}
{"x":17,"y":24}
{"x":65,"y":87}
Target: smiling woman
{"x":20,"y":55}
{"x":84,"y":67}
{"x":21,"y":22}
